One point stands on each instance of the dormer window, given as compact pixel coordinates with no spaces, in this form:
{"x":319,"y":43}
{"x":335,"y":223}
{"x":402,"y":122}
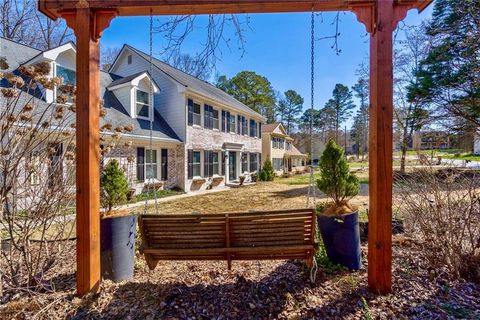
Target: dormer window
{"x":142,"y":104}
{"x":69,"y":77}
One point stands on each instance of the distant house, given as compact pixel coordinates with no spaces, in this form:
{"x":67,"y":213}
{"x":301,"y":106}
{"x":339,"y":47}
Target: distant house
{"x":202,"y":138}
{"x":302,"y":141}
{"x":278,"y":146}
{"x":476,"y":144}
{"x":426,"y":140}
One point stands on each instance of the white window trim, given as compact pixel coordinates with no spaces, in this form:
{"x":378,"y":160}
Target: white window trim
{"x":134,"y":104}
{"x":201,"y":165}
{"x":146,"y":165}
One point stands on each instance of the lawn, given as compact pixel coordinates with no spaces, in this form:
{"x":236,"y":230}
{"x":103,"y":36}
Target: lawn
{"x":463,"y":156}
{"x":305,"y":178}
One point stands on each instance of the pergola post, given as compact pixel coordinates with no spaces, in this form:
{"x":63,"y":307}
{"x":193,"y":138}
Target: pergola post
{"x":87,"y":26}
{"x":385,"y":20}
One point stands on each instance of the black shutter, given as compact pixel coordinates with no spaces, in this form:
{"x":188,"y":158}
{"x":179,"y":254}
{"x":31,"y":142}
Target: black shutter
{"x":141,"y":164}
{"x":224,"y":116}
{"x":259,"y":130}
{"x":190,"y":164}
{"x":228,"y":121}
{"x":239,"y":124}
{"x":164,"y":164}
{"x":210,"y":164}
{"x":222,"y":161}
{"x":205,"y":164}
{"x":190,"y":112}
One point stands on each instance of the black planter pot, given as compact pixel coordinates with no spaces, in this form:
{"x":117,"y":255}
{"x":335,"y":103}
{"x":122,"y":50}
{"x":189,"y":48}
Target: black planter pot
{"x":341,"y":237}
{"x":117,"y":247}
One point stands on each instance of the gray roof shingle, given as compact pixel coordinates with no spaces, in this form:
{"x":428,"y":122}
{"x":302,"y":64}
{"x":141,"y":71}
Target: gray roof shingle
{"x":196,"y":85}
{"x":16,"y":54}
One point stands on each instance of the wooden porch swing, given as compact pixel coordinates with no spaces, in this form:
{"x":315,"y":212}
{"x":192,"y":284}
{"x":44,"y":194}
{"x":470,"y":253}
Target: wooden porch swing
{"x":88,"y":18}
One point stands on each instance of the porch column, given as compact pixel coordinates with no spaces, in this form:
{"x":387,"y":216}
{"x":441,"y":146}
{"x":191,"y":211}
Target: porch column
{"x":381,"y":151}
{"x":88,"y":26}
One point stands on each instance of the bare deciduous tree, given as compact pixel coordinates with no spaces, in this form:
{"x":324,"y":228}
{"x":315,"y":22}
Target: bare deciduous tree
{"x":21,"y":21}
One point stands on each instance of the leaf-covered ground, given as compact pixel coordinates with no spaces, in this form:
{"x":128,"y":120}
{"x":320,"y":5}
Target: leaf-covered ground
{"x":253,"y":290}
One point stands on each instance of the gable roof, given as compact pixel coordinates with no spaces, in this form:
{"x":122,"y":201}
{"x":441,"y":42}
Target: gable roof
{"x":194,"y":84}
{"x":270,"y":127}
{"x":132,"y":77}
{"x":17,"y":54}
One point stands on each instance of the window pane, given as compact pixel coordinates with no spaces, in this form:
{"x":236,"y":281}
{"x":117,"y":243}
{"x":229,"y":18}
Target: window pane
{"x":196,"y":170}
{"x":151,"y":171}
{"x":215,"y":163}
{"x":143,"y":110}
{"x":196,"y":108}
{"x":142,"y":97}
{"x":148,"y":156}
{"x":69,"y":76}
{"x":196,"y":157}
{"x":197,"y":119}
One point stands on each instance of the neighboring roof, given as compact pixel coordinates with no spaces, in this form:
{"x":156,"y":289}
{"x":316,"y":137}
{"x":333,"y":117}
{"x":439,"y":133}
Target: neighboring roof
{"x":195,"y":85}
{"x":270,"y":127}
{"x":294,"y":152}
{"x":17,"y":54}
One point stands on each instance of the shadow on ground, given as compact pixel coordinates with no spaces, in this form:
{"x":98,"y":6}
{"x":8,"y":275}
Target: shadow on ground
{"x":240,"y":299}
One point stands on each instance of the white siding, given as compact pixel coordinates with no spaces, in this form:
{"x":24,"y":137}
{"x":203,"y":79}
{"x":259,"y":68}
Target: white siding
{"x":476,"y":147}
{"x":124,"y":96}
{"x":170,"y":102}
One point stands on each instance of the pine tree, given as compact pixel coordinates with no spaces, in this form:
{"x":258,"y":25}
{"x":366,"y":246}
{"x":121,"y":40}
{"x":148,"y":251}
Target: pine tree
{"x":342,"y":106}
{"x":336,"y":181}
{"x":267,"y":173}
{"x":114,"y":185}
{"x":290,"y":108}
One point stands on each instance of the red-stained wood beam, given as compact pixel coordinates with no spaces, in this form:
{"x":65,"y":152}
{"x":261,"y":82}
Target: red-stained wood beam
{"x":53,"y":8}
{"x":88,"y":27}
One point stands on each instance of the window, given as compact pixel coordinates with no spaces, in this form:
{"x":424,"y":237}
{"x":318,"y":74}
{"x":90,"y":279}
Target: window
{"x":69,"y":76}
{"x":208,"y":116}
{"x":215,"y":163}
{"x":147,"y":165}
{"x":244,"y":126}
{"x":194,"y":113}
{"x":245,"y":162}
{"x":164,"y":164}
{"x":229,"y":121}
{"x":210,"y":163}
{"x":151,"y":169}
{"x":253,"y":162}
{"x":216,"y":121}
{"x":224,"y":119}
{"x":253,"y":128}
{"x":232,"y":123}
{"x":129,"y":59}
{"x":289,"y":146}
{"x":194,"y":164}
{"x":142,"y":104}
{"x":277,"y":164}
{"x":239,"y":124}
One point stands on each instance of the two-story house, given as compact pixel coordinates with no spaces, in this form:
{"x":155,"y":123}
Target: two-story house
{"x":278,"y":146}
{"x":221,"y":137}
{"x":127,"y":100}
{"x":201,"y":137}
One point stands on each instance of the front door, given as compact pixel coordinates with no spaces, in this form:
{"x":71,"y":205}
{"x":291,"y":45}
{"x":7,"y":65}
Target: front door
{"x":232,"y":166}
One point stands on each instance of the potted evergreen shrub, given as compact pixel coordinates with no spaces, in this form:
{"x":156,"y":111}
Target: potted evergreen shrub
{"x":338,"y":219}
{"x":117,"y":229}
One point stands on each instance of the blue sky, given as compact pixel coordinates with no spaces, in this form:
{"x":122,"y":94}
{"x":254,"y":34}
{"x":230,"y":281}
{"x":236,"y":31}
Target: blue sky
{"x":278,"y":47}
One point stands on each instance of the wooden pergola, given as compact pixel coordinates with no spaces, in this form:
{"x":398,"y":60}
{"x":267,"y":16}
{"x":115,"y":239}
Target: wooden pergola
{"x":89,"y":18}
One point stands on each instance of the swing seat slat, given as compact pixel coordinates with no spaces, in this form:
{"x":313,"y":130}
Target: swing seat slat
{"x":271,"y":235}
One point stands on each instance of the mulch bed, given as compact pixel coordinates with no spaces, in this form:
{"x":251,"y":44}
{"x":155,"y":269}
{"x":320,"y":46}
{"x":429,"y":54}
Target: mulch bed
{"x":255,"y":290}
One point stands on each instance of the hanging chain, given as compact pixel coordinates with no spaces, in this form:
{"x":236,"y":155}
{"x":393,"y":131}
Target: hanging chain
{"x":150,"y":180}
{"x":311,"y":187}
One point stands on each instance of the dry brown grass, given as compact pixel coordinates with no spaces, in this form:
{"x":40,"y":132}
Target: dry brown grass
{"x":263,"y":196}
